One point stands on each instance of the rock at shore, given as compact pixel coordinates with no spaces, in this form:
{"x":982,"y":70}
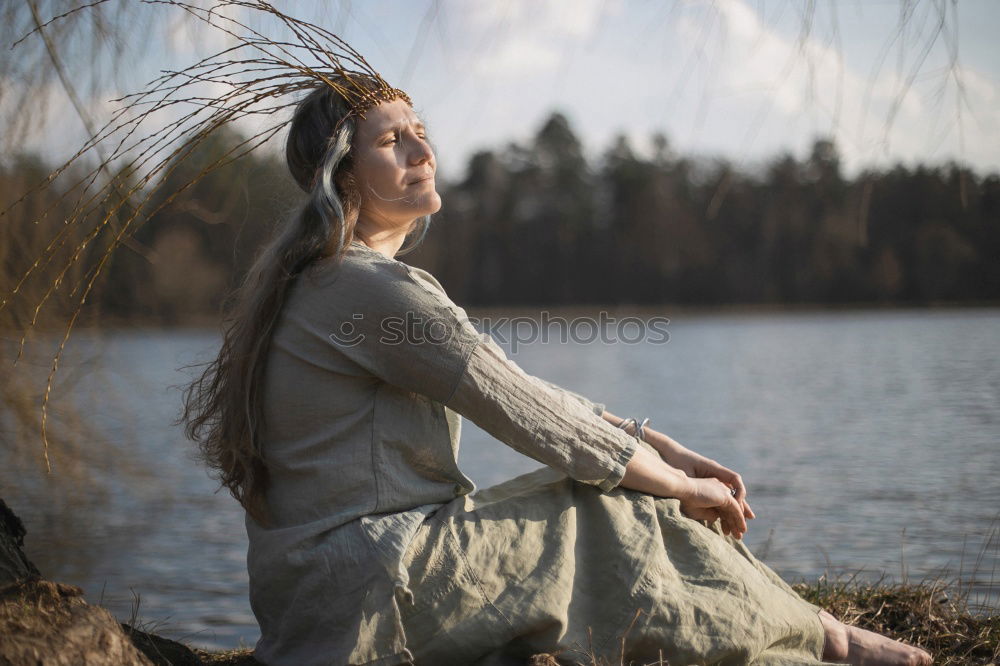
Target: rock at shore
{"x":43,"y":623}
{"x":14,"y":566}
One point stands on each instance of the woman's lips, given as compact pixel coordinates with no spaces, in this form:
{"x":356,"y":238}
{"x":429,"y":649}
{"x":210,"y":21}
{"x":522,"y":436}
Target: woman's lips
{"x":422,"y":180}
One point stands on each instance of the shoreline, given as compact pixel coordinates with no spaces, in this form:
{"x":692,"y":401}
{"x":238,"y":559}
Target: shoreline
{"x":121,"y":324}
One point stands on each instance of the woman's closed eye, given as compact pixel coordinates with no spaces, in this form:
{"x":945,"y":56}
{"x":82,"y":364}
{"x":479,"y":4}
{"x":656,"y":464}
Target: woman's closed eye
{"x":395,"y":139}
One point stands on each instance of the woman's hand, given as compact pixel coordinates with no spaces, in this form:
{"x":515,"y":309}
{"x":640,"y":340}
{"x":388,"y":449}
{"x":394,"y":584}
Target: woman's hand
{"x":701,"y":499}
{"x":698,"y":466}
{"x":710,"y":499}
{"x":704,"y":487}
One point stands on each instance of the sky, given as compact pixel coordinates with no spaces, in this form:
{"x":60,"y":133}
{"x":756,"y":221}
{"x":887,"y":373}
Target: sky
{"x":746,"y":80}
{"x":739,"y":79}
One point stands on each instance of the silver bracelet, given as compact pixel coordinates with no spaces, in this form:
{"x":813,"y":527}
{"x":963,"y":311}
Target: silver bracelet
{"x":640,"y":428}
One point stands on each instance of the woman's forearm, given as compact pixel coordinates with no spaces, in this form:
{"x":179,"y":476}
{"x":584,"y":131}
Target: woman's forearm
{"x":664,"y":444}
{"x":617,"y":421}
{"x":648,"y":473}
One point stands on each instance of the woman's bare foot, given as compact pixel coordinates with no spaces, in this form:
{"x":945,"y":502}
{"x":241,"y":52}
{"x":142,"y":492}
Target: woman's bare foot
{"x":861,"y":647}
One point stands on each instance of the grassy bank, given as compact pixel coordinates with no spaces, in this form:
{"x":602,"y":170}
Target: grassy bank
{"x":939,"y":618}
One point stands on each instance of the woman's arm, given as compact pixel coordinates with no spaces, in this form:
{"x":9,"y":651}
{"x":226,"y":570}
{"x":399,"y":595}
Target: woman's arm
{"x":560,"y":431}
{"x":679,"y":456}
{"x":702,"y":496}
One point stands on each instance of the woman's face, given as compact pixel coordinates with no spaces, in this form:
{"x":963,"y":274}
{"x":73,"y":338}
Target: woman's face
{"x":394,"y":167}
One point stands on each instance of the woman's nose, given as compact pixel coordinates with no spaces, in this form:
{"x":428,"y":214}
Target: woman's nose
{"x":420,"y":150}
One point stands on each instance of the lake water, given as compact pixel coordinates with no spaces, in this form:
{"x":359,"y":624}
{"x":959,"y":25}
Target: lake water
{"x":869,"y":441}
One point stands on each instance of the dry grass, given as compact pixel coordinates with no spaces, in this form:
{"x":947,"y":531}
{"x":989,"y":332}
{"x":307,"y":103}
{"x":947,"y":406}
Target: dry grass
{"x":26,"y":606}
{"x":42,"y":622}
{"x":936,"y":616}
{"x":228,"y":658}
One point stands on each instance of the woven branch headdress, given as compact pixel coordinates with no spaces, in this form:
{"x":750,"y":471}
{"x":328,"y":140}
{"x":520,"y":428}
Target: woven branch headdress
{"x":259,"y":77}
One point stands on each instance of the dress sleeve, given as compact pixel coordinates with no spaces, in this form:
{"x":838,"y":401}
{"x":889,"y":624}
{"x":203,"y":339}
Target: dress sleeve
{"x":597,"y":408}
{"x":551,"y":425}
{"x":402,"y":330}
{"x":398,"y":328}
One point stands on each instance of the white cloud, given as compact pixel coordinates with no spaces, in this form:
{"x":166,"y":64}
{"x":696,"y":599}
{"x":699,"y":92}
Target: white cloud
{"x":803,"y":83}
{"x":188,"y":35}
{"x":519,"y":37}
{"x":518,"y":56}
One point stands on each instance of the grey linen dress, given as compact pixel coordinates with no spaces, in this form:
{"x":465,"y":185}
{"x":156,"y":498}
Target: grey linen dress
{"x":377,"y":553}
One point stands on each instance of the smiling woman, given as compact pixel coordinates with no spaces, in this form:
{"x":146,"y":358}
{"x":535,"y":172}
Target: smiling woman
{"x":366,"y":544}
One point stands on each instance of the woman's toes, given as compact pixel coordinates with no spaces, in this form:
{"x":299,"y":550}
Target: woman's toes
{"x":917,"y":657}
{"x":870,"y":649}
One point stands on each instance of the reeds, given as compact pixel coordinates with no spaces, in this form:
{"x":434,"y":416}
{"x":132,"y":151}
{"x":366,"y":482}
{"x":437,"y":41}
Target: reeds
{"x":151,"y":134}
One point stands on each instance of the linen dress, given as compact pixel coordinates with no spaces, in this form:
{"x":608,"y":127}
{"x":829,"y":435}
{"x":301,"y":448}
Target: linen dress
{"x":376,"y":552}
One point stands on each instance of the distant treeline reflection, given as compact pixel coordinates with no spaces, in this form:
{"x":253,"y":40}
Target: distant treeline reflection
{"x":540,"y":225}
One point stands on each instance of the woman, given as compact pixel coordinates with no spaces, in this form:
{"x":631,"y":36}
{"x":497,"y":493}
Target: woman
{"x":333,"y":414}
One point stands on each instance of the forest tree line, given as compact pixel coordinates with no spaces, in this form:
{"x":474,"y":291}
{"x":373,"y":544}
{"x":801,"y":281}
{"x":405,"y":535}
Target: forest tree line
{"x":539,"y":224}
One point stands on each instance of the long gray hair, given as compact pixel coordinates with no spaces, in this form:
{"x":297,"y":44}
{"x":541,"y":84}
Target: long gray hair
{"x":223,"y":410}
